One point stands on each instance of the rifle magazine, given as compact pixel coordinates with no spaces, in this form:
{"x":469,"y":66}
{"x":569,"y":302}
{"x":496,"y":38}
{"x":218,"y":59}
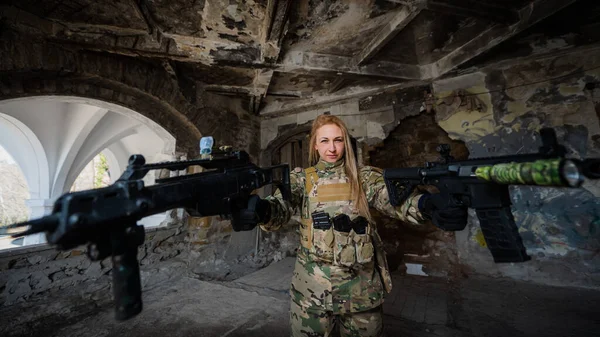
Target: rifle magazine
{"x":501,"y":235}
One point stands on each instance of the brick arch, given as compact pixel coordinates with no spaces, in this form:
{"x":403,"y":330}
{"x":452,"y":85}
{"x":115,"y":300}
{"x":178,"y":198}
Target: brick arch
{"x":27,"y":150}
{"x":282,"y":139}
{"x":412,"y":143}
{"x":140,"y":85}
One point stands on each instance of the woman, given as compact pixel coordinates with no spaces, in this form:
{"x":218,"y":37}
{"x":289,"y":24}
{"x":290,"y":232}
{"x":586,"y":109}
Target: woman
{"x":341,"y":270}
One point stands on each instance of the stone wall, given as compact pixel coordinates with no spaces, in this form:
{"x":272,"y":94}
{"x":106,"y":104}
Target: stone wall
{"x":498,"y":110}
{"x":29,"y":273}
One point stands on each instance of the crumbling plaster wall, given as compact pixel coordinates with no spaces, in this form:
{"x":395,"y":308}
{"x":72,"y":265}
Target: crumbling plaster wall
{"x":412,"y":143}
{"x":502,"y":113}
{"x":560,"y":227}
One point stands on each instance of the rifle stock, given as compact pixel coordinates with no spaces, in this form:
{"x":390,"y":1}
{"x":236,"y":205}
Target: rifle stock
{"x":106,"y":218}
{"x":482,"y":184}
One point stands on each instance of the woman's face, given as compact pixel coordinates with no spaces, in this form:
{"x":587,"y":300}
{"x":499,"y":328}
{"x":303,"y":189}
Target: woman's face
{"x":330,"y":143}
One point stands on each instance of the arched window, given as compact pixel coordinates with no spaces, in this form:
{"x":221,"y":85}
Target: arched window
{"x":13,"y":193}
{"x":293,"y":151}
{"x":293,"y":146}
{"x":94,"y":175}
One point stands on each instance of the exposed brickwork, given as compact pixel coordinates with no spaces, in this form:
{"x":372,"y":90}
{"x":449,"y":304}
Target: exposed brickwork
{"x":414,"y":142}
{"x":411,"y":144}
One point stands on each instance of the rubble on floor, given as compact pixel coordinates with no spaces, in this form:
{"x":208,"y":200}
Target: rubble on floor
{"x":257,"y":305}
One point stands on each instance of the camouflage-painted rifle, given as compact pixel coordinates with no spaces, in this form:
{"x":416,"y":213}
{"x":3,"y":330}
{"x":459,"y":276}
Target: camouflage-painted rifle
{"x":106,"y":218}
{"x":482,"y":184}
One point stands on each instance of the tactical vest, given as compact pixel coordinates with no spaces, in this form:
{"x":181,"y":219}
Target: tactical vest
{"x":326,"y":239}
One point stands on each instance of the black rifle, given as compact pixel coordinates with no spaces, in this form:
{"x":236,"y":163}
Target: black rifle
{"x":482,"y":184}
{"x":106,"y":218}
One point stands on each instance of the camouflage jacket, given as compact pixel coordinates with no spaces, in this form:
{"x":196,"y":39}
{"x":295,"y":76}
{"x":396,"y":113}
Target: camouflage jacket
{"x":319,"y":284}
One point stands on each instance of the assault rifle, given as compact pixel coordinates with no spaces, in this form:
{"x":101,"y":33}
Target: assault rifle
{"x":106,"y":218}
{"x":482,"y":184}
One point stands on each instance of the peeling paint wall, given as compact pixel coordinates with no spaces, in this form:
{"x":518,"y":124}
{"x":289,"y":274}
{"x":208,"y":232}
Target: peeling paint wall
{"x":500,"y":112}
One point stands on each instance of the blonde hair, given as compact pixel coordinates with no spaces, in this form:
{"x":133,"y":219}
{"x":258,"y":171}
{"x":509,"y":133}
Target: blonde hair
{"x":350,"y":162}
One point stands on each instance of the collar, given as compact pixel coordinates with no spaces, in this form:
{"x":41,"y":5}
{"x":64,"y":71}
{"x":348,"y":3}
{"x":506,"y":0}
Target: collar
{"x":326,"y":166}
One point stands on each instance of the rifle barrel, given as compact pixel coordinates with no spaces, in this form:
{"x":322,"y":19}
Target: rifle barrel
{"x":46,"y":223}
{"x":591,"y":168}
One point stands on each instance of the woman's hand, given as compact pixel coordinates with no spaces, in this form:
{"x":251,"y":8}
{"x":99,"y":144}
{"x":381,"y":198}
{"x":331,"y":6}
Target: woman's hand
{"x":443,"y":213}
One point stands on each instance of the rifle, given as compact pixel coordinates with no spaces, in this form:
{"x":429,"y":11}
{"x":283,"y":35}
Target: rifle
{"x":106,"y":218}
{"x":482,"y":184}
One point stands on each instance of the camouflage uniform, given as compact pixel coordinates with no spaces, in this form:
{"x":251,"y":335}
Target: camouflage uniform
{"x":337,"y":275}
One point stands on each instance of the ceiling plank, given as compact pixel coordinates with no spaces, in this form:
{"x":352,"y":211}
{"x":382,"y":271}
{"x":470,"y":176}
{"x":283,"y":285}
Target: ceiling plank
{"x":497,"y":33}
{"x":279,"y":19}
{"x":261,"y":83}
{"x":229,"y":89}
{"x":153,"y":28}
{"x":475,"y":8}
{"x":282,"y":108}
{"x":275,"y":28}
{"x":402,"y":18}
{"x":336,"y":85}
{"x":314,"y":63}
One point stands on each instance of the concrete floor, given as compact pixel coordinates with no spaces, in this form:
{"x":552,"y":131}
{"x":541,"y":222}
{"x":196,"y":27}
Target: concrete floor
{"x":257,"y":305}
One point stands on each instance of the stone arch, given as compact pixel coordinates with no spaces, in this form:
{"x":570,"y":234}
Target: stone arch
{"x":69,"y":178}
{"x":82,"y":151}
{"x":142,"y":85}
{"x":26,"y":149}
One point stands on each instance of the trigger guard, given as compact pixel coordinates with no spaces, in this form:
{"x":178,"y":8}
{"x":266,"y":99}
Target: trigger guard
{"x":448,"y":227}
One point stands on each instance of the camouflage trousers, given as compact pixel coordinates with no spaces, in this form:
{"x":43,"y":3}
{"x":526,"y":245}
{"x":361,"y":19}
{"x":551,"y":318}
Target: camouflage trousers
{"x":305,"y":323}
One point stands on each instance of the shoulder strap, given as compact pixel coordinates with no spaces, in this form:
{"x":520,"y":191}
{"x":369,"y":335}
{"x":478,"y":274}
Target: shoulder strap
{"x":306,"y":238}
{"x":311,"y":178}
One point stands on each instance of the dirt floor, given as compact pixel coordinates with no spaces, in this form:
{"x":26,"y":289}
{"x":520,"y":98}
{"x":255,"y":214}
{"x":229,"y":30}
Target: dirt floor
{"x":257,"y":305}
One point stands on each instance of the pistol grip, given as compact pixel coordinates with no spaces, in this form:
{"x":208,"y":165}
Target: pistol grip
{"x":127,"y":288}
